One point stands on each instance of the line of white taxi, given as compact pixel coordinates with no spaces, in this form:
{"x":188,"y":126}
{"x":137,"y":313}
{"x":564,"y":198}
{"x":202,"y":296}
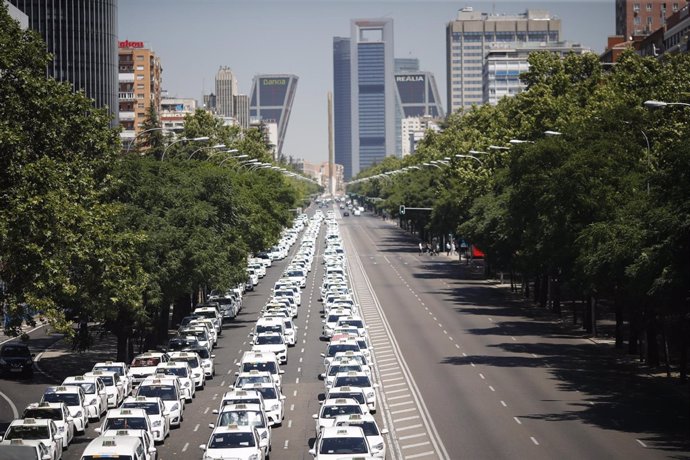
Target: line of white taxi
{"x":345,"y":427}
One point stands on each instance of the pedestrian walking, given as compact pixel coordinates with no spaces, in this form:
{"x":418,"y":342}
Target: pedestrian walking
{"x":421,"y":248}
{"x":427,"y":249}
{"x":447,"y":248}
{"x":452,"y":248}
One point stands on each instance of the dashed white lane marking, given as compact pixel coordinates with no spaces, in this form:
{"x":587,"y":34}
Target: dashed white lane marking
{"x":196,"y":427}
{"x":292,"y":407}
{"x":503,"y":403}
{"x":481,"y":376}
{"x":302,"y":350}
{"x":287,"y":442}
{"x":297,"y":380}
{"x":294,"y":393}
{"x":390,"y":373}
{"x":393,"y":385}
{"x":514,"y":339}
{"x":401,"y":403}
{"x":300,"y":359}
{"x":184,"y":448}
{"x":410,"y":446}
{"x":399,"y":397}
{"x":491,"y":388}
{"x":215,"y":396}
{"x":641,"y":443}
{"x":517,"y":420}
{"x":457,"y":346}
{"x":536,"y":443}
{"x":534,"y":356}
{"x":411,"y":427}
{"x":289,"y":423}
{"x":206,"y":411}
{"x":401,"y":411}
{"x":222,"y":383}
{"x":398,"y":420}
{"x":396,"y":391}
{"x":299,"y":370}
{"x":423,"y":454}
{"x":391,"y":380}
{"x":465,"y":355}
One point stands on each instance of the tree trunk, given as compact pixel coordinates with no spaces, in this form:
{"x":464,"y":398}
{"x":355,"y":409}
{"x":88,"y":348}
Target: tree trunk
{"x":123,"y":343}
{"x":537,"y":288}
{"x":618,"y":308}
{"x":683,"y":358}
{"x":525,"y":283}
{"x":593,"y":315}
{"x":634,"y":335}
{"x":652,"y":343}
{"x":556,"y":295}
{"x":543,"y":290}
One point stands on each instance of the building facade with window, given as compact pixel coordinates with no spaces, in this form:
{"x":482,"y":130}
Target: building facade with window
{"x":271,"y":102}
{"x":226,"y":88}
{"x":173,"y":111}
{"x":140,"y":80}
{"x":642,"y":17}
{"x":470,"y":36}
{"x":373,"y":94}
{"x":504,"y":64}
{"x":82,"y":37}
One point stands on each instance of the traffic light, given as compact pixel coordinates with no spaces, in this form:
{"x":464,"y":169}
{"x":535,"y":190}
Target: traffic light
{"x":402,"y":209}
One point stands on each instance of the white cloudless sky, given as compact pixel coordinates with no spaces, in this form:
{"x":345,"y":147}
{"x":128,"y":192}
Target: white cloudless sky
{"x":195,"y":37}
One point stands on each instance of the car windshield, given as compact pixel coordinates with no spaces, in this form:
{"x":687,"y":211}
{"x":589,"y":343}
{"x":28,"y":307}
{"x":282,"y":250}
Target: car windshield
{"x":344,"y":368}
{"x":181,"y":344}
{"x":333,"y":411}
{"x":336,"y":348}
{"x":88,"y":387}
{"x":27,"y":432}
{"x":242,"y":381}
{"x":288,"y":324}
{"x":126,"y":423}
{"x":231,"y":440}
{"x":165,"y":392}
{"x":146,"y":362}
{"x":242,"y":418}
{"x":70,"y":399}
{"x":343,"y":445}
{"x":359,"y":397}
{"x":116,"y":369}
{"x":334,"y":318}
{"x":151,"y":408}
{"x":261,"y":328}
{"x":269,"y":340}
{"x":369,"y":428}
{"x":107,"y":379}
{"x":16,"y":352}
{"x":295,"y":273}
{"x":352,"y":381}
{"x":267,"y":366}
{"x":268,"y":392}
{"x":206,"y":314}
{"x":193,"y":361}
{"x":352,"y":322}
{"x":202,"y":352}
{"x":227,"y":402}
{"x":43,"y":412}
{"x":178,"y":371}
{"x":199,"y":334}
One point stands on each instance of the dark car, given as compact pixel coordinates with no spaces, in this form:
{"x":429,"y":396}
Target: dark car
{"x":15,"y":358}
{"x":182,"y":343}
{"x":346,"y":214}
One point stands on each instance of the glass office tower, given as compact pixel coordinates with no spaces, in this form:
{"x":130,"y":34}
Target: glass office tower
{"x":271,"y":101}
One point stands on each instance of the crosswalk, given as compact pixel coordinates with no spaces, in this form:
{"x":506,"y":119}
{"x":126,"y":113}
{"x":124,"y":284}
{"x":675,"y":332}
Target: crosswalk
{"x":412,"y":432}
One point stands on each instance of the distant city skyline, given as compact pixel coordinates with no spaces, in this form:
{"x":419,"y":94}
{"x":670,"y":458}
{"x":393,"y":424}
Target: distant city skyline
{"x":297,"y":38}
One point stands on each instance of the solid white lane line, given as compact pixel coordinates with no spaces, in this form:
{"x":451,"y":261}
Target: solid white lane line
{"x":15,"y":412}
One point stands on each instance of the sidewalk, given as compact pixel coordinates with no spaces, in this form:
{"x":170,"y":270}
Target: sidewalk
{"x":60,"y":361}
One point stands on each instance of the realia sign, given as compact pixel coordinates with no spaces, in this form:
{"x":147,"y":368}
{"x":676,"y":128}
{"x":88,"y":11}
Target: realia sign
{"x":129,"y":44}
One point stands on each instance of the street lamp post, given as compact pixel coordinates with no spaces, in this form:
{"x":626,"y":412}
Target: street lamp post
{"x":217,"y":146}
{"x":652,"y":104}
{"x":133,"y":141}
{"x":194,"y":139}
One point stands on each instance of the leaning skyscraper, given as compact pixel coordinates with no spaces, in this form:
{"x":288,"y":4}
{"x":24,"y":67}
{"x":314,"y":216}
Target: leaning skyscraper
{"x":271,"y":101}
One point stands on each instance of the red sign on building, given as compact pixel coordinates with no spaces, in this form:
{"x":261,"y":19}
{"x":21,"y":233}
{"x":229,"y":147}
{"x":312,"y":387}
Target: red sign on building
{"x":129,"y":44}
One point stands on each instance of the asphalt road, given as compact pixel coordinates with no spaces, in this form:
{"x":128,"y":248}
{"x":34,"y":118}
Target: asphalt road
{"x":465,"y":370}
{"x":497,"y":379}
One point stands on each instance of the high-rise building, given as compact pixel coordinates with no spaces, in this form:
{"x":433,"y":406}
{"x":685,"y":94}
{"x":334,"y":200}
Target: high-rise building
{"x":342,"y":105}
{"x":635,"y":17}
{"x":241,"y":108}
{"x":504,"y":64}
{"x":472,"y":34}
{"x":271,"y":101}
{"x":139,"y":86}
{"x":226,"y":88}
{"x":406,"y":65}
{"x":210,"y":102}
{"x":82,"y":37}
{"x":373,"y":106}
{"x":16,"y":14}
{"x":418,"y":95}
